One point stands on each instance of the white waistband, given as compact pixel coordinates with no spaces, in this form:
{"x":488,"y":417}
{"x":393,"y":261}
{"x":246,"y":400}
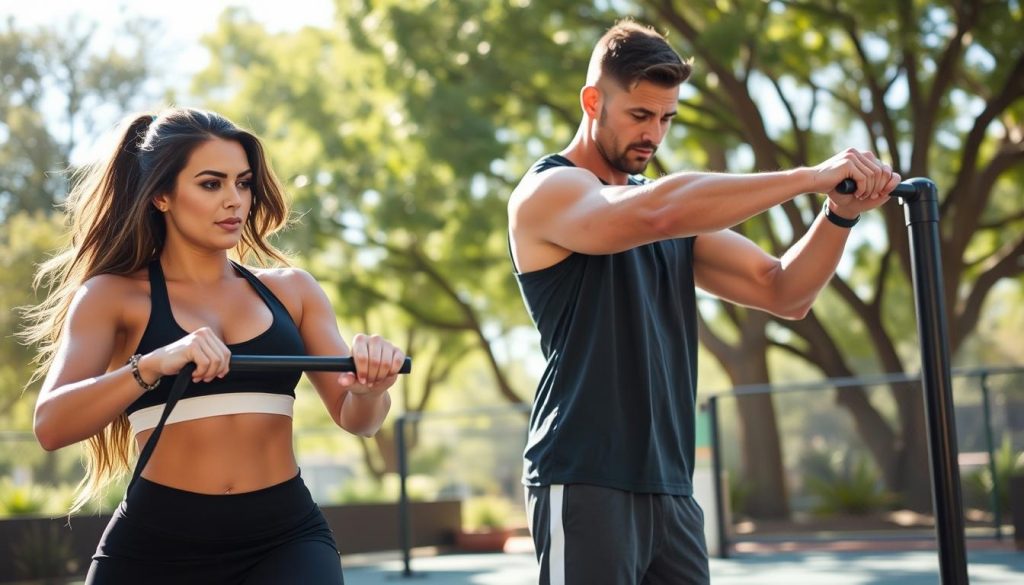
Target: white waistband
{"x":213,"y":405}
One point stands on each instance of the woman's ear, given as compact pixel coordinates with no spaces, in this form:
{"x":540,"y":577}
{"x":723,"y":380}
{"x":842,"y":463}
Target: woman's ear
{"x":160,"y":202}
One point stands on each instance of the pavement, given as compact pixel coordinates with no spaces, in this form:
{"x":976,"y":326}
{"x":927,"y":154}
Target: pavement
{"x":989,"y":563}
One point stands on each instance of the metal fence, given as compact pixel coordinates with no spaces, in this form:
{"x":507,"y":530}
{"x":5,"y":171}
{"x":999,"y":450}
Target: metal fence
{"x":989,"y":406}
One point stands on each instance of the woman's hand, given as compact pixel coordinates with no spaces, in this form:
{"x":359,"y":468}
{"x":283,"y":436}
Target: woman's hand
{"x":377,"y":363}
{"x":201,"y":347}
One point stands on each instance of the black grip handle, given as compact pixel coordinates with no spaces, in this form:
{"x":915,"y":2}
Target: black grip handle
{"x":846,"y":187}
{"x":308,"y":363}
{"x":904,"y":189}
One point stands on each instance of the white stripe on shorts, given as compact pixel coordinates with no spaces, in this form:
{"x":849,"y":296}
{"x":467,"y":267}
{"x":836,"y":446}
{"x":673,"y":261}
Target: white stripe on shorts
{"x":556,"y":561}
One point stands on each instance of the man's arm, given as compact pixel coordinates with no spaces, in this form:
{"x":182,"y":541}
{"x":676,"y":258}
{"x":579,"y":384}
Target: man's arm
{"x":733,"y":268}
{"x":568,"y":208}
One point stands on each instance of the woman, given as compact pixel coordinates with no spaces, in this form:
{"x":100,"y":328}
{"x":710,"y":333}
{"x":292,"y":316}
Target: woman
{"x":146,"y":287}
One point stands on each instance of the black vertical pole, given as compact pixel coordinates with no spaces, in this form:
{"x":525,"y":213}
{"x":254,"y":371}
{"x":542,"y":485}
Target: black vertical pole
{"x":990,"y":444}
{"x":920,"y":201}
{"x":716,"y":470}
{"x":403,"y":498}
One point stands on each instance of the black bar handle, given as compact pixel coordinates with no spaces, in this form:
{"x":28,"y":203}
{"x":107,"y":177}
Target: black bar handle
{"x":904,"y":189}
{"x":308,"y":363}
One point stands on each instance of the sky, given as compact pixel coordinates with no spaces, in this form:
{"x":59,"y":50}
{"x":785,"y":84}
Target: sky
{"x":186,"y":19}
{"x":182,"y":22}
{"x":176,"y":48}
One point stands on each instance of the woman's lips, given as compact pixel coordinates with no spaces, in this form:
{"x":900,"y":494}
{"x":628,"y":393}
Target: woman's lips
{"x":231,"y":224}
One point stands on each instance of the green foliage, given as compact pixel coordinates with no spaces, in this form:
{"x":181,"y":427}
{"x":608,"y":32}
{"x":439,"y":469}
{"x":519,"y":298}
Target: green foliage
{"x":26,"y":239}
{"x":21,"y":500}
{"x":843,"y":483}
{"x":482,"y":512}
{"x":739,"y":493}
{"x":978,"y":485}
{"x":40,"y":499}
{"x":62,"y":64}
{"x":401,"y":127}
{"x":59,"y":86}
{"x":401,"y":151}
{"x":364,"y":490}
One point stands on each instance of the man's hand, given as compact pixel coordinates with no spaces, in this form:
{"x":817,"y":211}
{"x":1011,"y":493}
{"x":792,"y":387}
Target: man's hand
{"x":875,"y":180}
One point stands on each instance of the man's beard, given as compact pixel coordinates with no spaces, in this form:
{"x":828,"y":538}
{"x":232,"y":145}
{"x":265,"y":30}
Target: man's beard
{"x":621,"y":161}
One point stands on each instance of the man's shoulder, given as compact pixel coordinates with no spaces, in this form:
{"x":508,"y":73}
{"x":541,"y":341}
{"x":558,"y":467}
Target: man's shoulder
{"x":553,"y":179}
{"x":550,"y":161}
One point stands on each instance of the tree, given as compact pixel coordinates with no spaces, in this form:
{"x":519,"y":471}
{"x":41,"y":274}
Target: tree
{"x":58,"y":85}
{"x":427,"y":114}
{"x":388,"y":222}
{"x":25,"y":239}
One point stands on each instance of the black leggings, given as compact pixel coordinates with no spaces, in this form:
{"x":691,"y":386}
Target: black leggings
{"x":160,"y":534}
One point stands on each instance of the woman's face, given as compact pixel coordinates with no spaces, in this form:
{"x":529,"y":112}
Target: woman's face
{"x":211,"y":198}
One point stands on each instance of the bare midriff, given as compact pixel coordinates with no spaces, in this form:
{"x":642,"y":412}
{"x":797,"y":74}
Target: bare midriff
{"x":226,"y":454}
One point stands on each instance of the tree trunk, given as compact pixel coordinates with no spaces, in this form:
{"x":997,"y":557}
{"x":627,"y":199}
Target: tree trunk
{"x":912,"y":480}
{"x":746,"y":363}
{"x":762,"y":451}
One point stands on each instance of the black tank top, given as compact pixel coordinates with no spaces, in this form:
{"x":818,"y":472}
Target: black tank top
{"x":282,"y":338}
{"x":615,"y":404}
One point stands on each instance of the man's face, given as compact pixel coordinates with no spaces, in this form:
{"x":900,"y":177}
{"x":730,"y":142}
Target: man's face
{"x":632,"y":123}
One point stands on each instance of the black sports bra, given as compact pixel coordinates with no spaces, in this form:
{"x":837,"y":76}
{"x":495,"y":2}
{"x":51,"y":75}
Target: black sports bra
{"x":235,"y":393}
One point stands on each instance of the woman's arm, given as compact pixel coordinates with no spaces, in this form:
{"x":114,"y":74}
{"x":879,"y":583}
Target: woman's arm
{"x":83,"y":392}
{"x":357,"y":402}
{"x":79,"y":397}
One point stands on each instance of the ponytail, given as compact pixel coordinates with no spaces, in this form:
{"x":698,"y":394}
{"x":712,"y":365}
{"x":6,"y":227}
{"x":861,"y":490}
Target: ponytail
{"x":101,"y":207}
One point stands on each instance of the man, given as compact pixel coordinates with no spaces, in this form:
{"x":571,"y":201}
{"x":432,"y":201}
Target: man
{"x":608,"y":264}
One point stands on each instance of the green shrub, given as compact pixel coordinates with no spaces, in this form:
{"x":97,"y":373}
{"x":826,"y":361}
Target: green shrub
{"x":485,"y":512}
{"x":739,"y":493}
{"x":978,"y":485}
{"x":848,"y":484}
{"x":363,"y":490}
{"x":58,"y":499}
{"x":21,"y":500}
{"x":977,"y":489}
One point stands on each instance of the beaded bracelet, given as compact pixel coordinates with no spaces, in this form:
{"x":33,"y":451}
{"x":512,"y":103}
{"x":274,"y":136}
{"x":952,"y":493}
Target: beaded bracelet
{"x":133,"y":363}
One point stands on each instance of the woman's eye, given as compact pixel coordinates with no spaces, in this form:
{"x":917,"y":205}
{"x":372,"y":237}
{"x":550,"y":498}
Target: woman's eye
{"x":245,"y":185}
{"x":210,"y":185}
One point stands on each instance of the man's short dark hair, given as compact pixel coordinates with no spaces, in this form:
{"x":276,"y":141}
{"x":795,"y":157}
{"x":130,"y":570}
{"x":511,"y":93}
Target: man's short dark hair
{"x":631,"y":52}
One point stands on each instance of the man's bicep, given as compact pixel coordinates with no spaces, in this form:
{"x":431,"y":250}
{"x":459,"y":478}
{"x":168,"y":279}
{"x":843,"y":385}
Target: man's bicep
{"x":583,"y":216}
{"x":731,"y":267}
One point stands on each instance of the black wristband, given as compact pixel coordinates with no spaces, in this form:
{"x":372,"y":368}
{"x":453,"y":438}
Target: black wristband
{"x":837,"y":220}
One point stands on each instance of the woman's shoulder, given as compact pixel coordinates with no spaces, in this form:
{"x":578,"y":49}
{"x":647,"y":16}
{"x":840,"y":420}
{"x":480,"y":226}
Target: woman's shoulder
{"x":289,"y":284}
{"x":112,"y":293}
{"x":115,"y":285}
{"x":284,"y":276}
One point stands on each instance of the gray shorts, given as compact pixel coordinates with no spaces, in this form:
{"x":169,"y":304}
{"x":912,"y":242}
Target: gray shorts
{"x":593,"y":535}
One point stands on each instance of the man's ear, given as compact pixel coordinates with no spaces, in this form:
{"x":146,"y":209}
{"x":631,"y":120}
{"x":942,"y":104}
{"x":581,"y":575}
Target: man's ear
{"x":590,"y":100}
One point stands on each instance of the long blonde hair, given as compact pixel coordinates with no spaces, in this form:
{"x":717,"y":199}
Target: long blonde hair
{"x":116,"y":229}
